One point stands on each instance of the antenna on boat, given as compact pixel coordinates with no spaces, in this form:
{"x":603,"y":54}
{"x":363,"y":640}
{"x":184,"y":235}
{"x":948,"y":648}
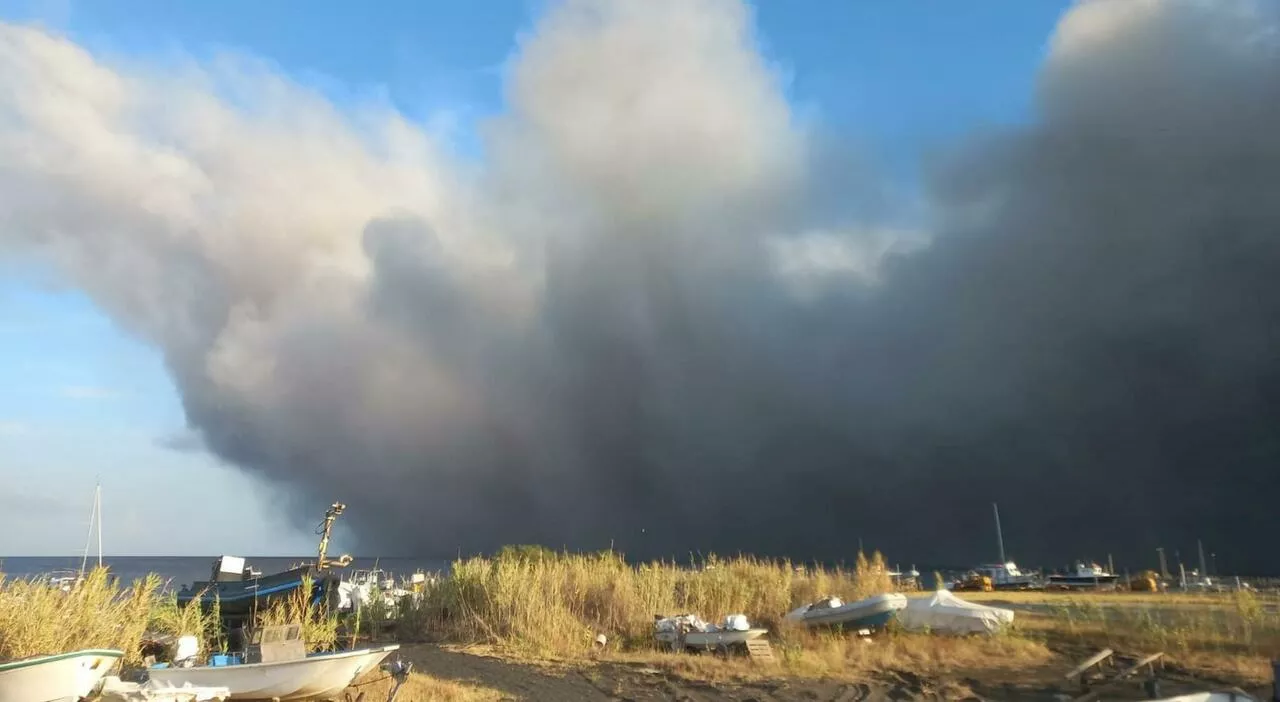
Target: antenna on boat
{"x":999,"y":534}
{"x":324,"y":530}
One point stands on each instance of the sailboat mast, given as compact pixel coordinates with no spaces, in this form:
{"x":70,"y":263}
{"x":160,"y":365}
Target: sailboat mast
{"x":97,"y":502}
{"x":88,"y":536}
{"x":999,"y":534}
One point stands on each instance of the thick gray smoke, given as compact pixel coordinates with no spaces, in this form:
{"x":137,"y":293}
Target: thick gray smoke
{"x":661,"y":313}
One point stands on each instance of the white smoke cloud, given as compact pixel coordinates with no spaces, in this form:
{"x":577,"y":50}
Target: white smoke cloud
{"x":242,"y":223}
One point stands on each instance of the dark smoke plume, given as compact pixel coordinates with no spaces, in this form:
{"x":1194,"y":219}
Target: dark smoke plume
{"x":662,"y":314}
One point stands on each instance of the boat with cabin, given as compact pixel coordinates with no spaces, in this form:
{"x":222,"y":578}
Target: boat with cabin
{"x":1090,"y":576}
{"x":1007,"y":576}
{"x":239,"y":590}
{"x":1004,"y":575}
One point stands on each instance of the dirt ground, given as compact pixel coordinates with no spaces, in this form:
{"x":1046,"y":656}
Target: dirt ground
{"x":607,"y":681}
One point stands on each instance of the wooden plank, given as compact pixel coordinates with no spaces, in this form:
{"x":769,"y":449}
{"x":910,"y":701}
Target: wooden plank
{"x":1145,"y":662}
{"x":1095,"y":659}
{"x":760,"y":651}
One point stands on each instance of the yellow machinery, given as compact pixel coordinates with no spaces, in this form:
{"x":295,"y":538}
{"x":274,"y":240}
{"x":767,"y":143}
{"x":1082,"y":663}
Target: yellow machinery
{"x":1146,"y":581}
{"x":974,"y":582}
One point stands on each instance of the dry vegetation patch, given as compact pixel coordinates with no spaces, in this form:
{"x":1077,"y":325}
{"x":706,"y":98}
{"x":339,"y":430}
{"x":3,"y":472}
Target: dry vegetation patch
{"x":39,"y":619}
{"x":421,"y":687}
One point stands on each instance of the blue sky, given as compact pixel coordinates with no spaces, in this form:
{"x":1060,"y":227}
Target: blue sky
{"x":80,"y":400}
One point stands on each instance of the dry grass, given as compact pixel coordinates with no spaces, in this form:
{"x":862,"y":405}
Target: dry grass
{"x":1226,"y":599}
{"x":166,"y":616}
{"x":99,"y":612}
{"x":554,"y":605}
{"x":1239,"y":632}
{"x":424,"y":688}
{"x":37,"y":619}
{"x":535,"y":604}
{"x":809,"y":654}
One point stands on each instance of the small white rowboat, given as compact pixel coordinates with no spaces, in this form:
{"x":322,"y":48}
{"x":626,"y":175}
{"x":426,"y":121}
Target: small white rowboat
{"x":64,"y":677}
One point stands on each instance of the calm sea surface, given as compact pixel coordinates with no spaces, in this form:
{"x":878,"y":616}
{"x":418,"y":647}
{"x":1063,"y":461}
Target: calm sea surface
{"x":180,"y":570}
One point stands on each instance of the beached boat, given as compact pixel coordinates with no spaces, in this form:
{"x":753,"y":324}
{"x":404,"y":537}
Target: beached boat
{"x":944,"y":613}
{"x":1007,"y":576}
{"x":871,"y":613}
{"x":360,"y":589}
{"x":317,"y":676}
{"x":58,"y":678}
{"x":687,"y":632}
{"x":239,"y":590}
{"x":1084,"y":577}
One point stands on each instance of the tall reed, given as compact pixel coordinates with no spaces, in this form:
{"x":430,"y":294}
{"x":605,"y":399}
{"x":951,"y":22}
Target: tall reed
{"x":98,"y":612}
{"x":319,"y":625}
{"x":167,"y":617}
{"x":557,"y":603}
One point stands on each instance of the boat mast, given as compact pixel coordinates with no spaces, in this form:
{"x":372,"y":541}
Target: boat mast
{"x":95,"y":517}
{"x":97,"y":501}
{"x":999,"y":534}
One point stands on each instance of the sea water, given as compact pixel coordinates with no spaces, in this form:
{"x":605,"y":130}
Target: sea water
{"x":181,"y":570}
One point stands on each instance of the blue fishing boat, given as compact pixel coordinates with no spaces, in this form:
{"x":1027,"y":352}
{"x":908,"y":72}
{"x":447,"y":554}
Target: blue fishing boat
{"x":239,"y":591}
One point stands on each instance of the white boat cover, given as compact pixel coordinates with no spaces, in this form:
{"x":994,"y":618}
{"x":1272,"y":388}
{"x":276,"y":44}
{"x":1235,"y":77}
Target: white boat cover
{"x":944,"y":612}
{"x":692,"y":622}
{"x":687,"y":622}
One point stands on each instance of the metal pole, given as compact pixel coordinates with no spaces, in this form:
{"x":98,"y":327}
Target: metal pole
{"x":999,"y":534}
{"x":1200,"y":547}
{"x":1164,"y":565}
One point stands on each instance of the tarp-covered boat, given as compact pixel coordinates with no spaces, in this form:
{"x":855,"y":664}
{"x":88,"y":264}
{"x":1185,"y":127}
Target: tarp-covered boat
{"x":943,"y":612}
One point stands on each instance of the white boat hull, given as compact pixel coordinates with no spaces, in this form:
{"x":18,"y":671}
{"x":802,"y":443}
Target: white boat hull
{"x":314,"y":677}
{"x":116,"y":690}
{"x":62,"y":678}
{"x":709,"y":640}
